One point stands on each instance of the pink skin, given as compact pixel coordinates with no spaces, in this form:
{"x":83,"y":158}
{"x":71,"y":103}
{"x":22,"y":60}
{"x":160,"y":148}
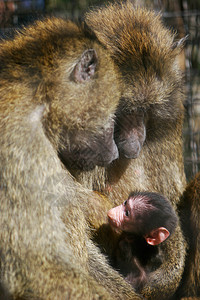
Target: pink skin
{"x":121,"y":218}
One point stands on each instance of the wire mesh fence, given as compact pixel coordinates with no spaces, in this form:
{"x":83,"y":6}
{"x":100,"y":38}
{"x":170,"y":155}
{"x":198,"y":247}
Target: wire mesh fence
{"x":181,"y":15}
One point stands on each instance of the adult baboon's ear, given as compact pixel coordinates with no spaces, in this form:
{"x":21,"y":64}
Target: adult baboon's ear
{"x":86,"y":67}
{"x":180,"y":44}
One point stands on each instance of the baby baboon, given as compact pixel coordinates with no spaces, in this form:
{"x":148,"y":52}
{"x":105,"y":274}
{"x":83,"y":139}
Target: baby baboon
{"x":58,"y":87}
{"x":146,"y":220}
{"x":146,"y":53}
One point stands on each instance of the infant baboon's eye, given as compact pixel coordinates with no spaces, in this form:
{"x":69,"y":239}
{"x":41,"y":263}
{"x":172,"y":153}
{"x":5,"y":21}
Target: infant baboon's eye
{"x":127,"y":213}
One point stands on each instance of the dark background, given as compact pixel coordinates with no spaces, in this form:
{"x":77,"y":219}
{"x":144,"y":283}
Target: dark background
{"x":180,"y":15}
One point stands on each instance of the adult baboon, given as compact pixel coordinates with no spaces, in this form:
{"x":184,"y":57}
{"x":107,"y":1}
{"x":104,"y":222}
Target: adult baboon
{"x":54,"y":82}
{"x":151,"y":105}
{"x":189,"y":209}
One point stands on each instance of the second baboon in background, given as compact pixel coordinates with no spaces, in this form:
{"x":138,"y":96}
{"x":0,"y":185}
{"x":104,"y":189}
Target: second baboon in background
{"x":148,"y":126}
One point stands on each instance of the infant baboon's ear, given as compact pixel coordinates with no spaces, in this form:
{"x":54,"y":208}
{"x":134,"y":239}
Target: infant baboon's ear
{"x":157,"y":236}
{"x":86,"y":67}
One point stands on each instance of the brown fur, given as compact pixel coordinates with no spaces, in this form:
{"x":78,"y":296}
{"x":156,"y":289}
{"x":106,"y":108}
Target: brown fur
{"x":189,"y":213}
{"x":46,"y":251}
{"x":146,"y":54}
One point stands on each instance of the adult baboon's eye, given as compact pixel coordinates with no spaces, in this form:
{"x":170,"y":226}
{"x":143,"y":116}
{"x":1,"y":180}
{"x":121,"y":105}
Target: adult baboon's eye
{"x":125,"y":202}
